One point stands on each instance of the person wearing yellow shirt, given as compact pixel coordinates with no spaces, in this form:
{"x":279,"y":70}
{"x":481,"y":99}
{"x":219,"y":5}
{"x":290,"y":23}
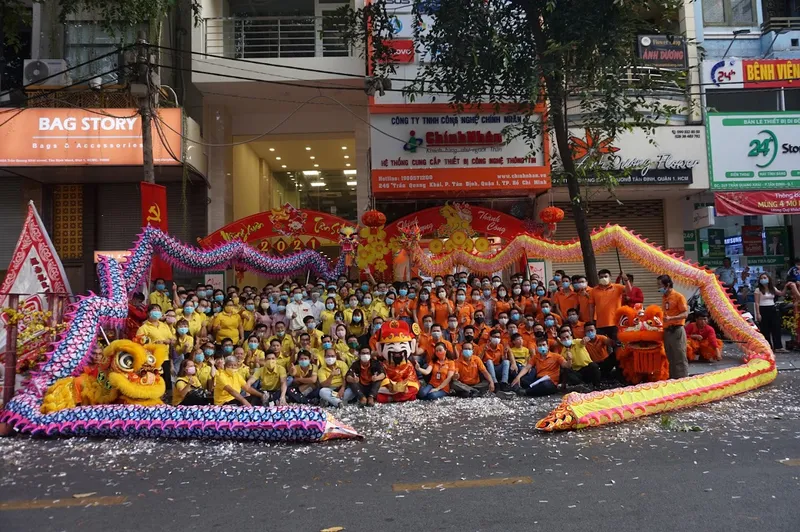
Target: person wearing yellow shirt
{"x":378,"y":309}
{"x":159,"y":296}
{"x":286,"y":340}
{"x":228,"y":386}
{"x":272,"y":380}
{"x":339,"y":340}
{"x":350,"y":307}
{"x":312,"y":331}
{"x":204,"y":362}
{"x":304,"y":344}
{"x":333,"y":390}
{"x":243,"y":369}
{"x":253,"y":356}
{"x":357,"y":324}
{"x":228,"y":324}
{"x":304,"y":374}
{"x":328,"y":315}
{"x":154,"y":329}
{"x":195,"y":319}
{"x":285,"y":358}
{"x":188,"y":391}
{"x":248,"y":316}
{"x":583,"y":370}
{"x":517,"y":354}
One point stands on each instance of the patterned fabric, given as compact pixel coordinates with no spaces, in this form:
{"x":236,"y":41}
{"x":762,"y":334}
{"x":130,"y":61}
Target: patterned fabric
{"x":68,"y":221}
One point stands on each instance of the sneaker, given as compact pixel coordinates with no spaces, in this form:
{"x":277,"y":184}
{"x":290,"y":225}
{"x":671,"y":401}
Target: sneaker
{"x":370,"y":401}
{"x":505,"y":395}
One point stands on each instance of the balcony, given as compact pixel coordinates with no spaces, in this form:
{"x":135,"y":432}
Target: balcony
{"x":780,"y":24}
{"x":273,"y":37}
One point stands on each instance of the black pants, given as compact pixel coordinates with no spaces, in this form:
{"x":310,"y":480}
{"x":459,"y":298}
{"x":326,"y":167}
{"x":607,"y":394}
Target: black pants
{"x":370,"y":390}
{"x":589,"y":374}
{"x":611,"y":332}
{"x":770,"y":326}
{"x":293,"y":395}
{"x":252,"y":399}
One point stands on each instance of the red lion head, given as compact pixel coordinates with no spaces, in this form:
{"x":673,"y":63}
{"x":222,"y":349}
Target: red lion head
{"x":640,"y":327}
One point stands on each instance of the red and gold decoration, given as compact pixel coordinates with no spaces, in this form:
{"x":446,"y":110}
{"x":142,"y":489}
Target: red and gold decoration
{"x":373,"y":248}
{"x":373,"y":218}
{"x":154,"y":214}
{"x":35,"y":333}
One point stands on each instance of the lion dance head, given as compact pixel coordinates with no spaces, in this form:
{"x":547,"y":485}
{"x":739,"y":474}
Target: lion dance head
{"x":641,"y":331}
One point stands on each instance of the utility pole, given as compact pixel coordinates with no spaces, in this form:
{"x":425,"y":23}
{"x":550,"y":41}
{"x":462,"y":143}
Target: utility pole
{"x":141,"y":89}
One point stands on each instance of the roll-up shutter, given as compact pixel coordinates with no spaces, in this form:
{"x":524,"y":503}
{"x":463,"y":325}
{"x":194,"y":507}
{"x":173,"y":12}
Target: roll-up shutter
{"x":645,"y":218}
{"x":12,"y":216}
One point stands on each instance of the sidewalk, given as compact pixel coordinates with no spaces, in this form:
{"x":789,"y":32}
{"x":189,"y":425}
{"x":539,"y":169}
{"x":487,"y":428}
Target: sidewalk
{"x":732,"y":356}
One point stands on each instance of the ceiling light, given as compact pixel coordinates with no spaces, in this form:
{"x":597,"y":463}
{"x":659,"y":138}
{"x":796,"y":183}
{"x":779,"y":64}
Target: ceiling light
{"x":308,"y":148}
{"x":346,"y":156}
{"x":277,"y":158}
{"x":283,"y":166}
{"x":316,"y":166}
{"x":348,"y":164}
{"x":310,"y":172}
{"x":317,"y":184}
{"x":272,"y":149}
{"x":312,"y":157}
{"x":352,"y":183}
{"x":344,"y":147}
{"x":350,"y":172}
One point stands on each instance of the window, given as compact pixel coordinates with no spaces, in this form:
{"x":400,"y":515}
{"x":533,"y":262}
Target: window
{"x":729,"y":12}
{"x":85,"y":41}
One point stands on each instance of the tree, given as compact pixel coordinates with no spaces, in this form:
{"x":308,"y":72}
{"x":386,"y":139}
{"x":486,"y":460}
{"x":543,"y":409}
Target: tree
{"x":573,"y":54}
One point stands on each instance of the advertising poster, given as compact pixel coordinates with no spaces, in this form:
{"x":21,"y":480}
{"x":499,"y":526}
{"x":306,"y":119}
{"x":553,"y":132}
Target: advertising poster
{"x":777,"y":242}
{"x":716,"y":243}
{"x":752,"y":244}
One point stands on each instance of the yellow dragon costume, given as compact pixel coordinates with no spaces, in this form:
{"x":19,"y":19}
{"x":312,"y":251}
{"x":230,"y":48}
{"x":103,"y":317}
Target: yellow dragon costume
{"x":128,"y":373}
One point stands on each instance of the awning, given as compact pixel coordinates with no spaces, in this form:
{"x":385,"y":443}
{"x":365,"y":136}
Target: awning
{"x":759,"y":202}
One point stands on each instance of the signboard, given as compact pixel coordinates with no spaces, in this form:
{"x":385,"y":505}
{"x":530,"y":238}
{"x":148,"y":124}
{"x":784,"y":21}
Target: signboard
{"x":703,"y":217}
{"x":690,"y":250}
{"x":441,"y":222}
{"x":733,"y":73}
{"x":216,"y":279}
{"x":664,"y":51}
{"x":402,"y":50}
{"x":537,"y":270}
{"x":716,"y":243}
{"x":752,"y":151}
{"x":777,"y":239}
{"x":85,"y":137}
{"x":752,"y":244}
{"x":445,"y":153}
{"x":287,"y":222}
{"x":668,"y":156}
{"x":761,"y":202}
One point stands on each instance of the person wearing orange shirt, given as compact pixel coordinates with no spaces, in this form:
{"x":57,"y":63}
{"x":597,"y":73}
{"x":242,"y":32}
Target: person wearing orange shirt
{"x":675,"y":312}
{"x":477,"y":303}
{"x":402,"y":308}
{"x":582,"y":290}
{"x":503,"y":302}
{"x":426,"y":349}
{"x":598,"y":347}
{"x":565,"y":298}
{"x":702,"y":340}
{"x":494,"y":357}
{"x":463,"y":310}
{"x":604,"y":300}
{"x":541,"y":374}
{"x":441,"y":371}
{"x":442,"y":307}
{"x":422,"y":306}
{"x":573,"y":320}
{"x":546,"y":311}
{"x":467,"y":381}
{"x":453,"y":332}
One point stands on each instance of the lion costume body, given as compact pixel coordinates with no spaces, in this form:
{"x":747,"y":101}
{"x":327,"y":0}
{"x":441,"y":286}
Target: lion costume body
{"x":642,"y":357}
{"x":128,"y":373}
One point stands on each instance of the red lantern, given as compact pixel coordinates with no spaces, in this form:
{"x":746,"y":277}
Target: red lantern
{"x":551,"y":215}
{"x":373,"y":218}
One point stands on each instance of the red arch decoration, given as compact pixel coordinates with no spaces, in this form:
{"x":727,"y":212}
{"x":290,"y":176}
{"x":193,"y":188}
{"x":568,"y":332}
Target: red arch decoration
{"x":443,"y":220}
{"x":287,"y":222}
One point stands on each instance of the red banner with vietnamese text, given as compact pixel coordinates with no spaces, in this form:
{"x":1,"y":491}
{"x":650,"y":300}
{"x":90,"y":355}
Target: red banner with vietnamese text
{"x":760,"y":202}
{"x":154,"y":213}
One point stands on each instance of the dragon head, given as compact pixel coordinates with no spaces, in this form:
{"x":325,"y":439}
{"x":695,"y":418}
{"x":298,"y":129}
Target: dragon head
{"x":135,"y":369}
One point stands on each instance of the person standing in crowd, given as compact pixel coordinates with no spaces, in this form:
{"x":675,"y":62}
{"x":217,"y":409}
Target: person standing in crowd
{"x":364,"y":377}
{"x":154,"y":329}
{"x":488,"y":302}
{"x":137,"y":315}
{"x":565,"y":298}
{"x":767,"y":317}
{"x":633,"y":296}
{"x":228,"y":324}
{"x":604,"y":301}
{"x":675,"y":313}
{"x":727,"y":276}
{"x":581,"y":288}
{"x":471,"y":378}
{"x":160,"y":295}
{"x":297,"y":311}
{"x":316,"y":305}
{"x":402,"y":308}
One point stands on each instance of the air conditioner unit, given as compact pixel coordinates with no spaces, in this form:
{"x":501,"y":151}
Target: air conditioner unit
{"x":46,"y":72}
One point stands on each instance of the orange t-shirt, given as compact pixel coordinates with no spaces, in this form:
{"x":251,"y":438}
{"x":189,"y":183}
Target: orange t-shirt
{"x":422,"y":309}
{"x":501,"y":306}
{"x":441,"y":311}
{"x":429,"y":345}
{"x":549,"y":366}
{"x":439,"y":373}
{"x":464,"y":311}
{"x":606,"y":300}
{"x":469,"y":372}
{"x":583,"y":305}
{"x":494,"y":353}
{"x":597,"y":348}
{"x":481,"y":334}
{"x":673,"y":303}
{"x":577,"y":329}
{"x":566,"y":301}
{"x":402,"y":307}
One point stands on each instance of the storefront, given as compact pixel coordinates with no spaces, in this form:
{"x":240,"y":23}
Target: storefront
{"x":82,"y":168}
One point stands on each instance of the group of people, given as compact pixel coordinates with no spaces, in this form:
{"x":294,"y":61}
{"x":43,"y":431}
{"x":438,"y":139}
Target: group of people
{"x":321,"y":342}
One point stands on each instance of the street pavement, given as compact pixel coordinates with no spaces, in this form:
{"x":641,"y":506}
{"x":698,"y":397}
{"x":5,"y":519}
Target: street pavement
{"x":466,"y":465}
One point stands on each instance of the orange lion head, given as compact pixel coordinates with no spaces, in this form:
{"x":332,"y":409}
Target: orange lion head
{"x":640,"y":328}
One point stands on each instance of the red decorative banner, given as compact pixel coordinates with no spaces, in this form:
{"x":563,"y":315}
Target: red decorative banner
{"x":286,"y":222}
{"x":752,"y":244}
{"x":760,"y":202}
{"x":446,"y":220}
{"x":154,"y":213}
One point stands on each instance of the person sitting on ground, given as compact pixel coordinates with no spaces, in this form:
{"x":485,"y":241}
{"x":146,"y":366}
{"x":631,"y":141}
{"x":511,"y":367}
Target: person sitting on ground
{"x":271,"y":378}
{"x":188,"y":391}
{"x":542,"y":373}
{"x":702,"y":342}
{"x":305,"y":376}
{"x":494,"y":358}
{"x":253,"y":356}
{"x":517,"y":354}
{"x":583,"y":370}
{"x":441,"y":371}
{"x":452,"y":334}
{"x":573,"y":319}
{"x":365,"y":376}
{"x":435,"y":338}
{"x":471,"y":377}
{"x":598,"y":347}
{"x":244,"y":371}
{"x":228,"y":386}
{"x":333,"y":389}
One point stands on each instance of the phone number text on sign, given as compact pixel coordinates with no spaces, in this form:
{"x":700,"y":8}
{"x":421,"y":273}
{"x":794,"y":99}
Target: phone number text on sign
{"x":518,"y":183}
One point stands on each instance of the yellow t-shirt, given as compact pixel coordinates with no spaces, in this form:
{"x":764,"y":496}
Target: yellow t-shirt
{"x":196,"y":322}
{"x":285,"y":361}
{"x":244,"y":371}
{"x":203,"y":374}
{"x":184,"y":345}
{"x":180,"y":384}
{"x":228,"y":326}
{"x":271,"y":380}
{"x":248,"y":320}
{"x":156,"y":332}
{"x":378,"y":308}
{"x":311,"y":371}
{"x":521,"y":354}
{"x":341,"y":350}
{"x":253,"y":358}
{"x":227,"y":378}
{"x":287,"y":344}
{"x":338,"y":380}
{"x":326,"y":316}
{"x":160,"y":299}
{"x":580,"y":355}
{"x":316,"y":337}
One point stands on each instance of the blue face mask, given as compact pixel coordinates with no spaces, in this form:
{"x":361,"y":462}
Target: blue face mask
{"x":664,"y":290}
{"x":155,"y":315}
{"x":356,"y":319}
{"x":540,"y":293}
{"x":591,"y":335}
{"x":467,"y":353}
{"x":556,"y":278}
{"x":281,"y":308}
{"x":251,"y":308}
{"x":403,"y":292}
{"x":188,"y":310}
{"x":253,"y":346}
{"x":327,"y":345}
{"x":567,"y":342}
{"x":367,"y":301}
{"x":160,"y":286}
{"x":543,"y":349}
{"x":765,"y":282}
{"x":514,"y":316}
{"x":412,"y":296}
{"x":183,"y":330}
{"x":219,"y":297}
{"x":298,"y":297}
{"x":545,"y":310}
{"x":201,"y":294}
{"x":227,"y":349}
{"x":304,"y":363}
{"x":207,"y":310}
{"x":330,"y":306}
{"x":199,"y":358}
{"x":549,"y":323}
{"x":208,"y":352}
{"x":565,"y":284}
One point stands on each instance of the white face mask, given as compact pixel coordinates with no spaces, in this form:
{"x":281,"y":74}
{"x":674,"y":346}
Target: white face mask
{"x":365,"y":358}
{"x":605,"y":280}
{"x":330,"y":361}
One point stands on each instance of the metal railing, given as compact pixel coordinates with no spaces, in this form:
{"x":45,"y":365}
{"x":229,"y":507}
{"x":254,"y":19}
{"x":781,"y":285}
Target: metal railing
{"x":274,"y":37}
{"x":780,"y":23}
{"x":656,"y":80}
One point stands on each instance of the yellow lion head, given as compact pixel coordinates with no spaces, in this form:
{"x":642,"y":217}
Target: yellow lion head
{"x":135,"y":369}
